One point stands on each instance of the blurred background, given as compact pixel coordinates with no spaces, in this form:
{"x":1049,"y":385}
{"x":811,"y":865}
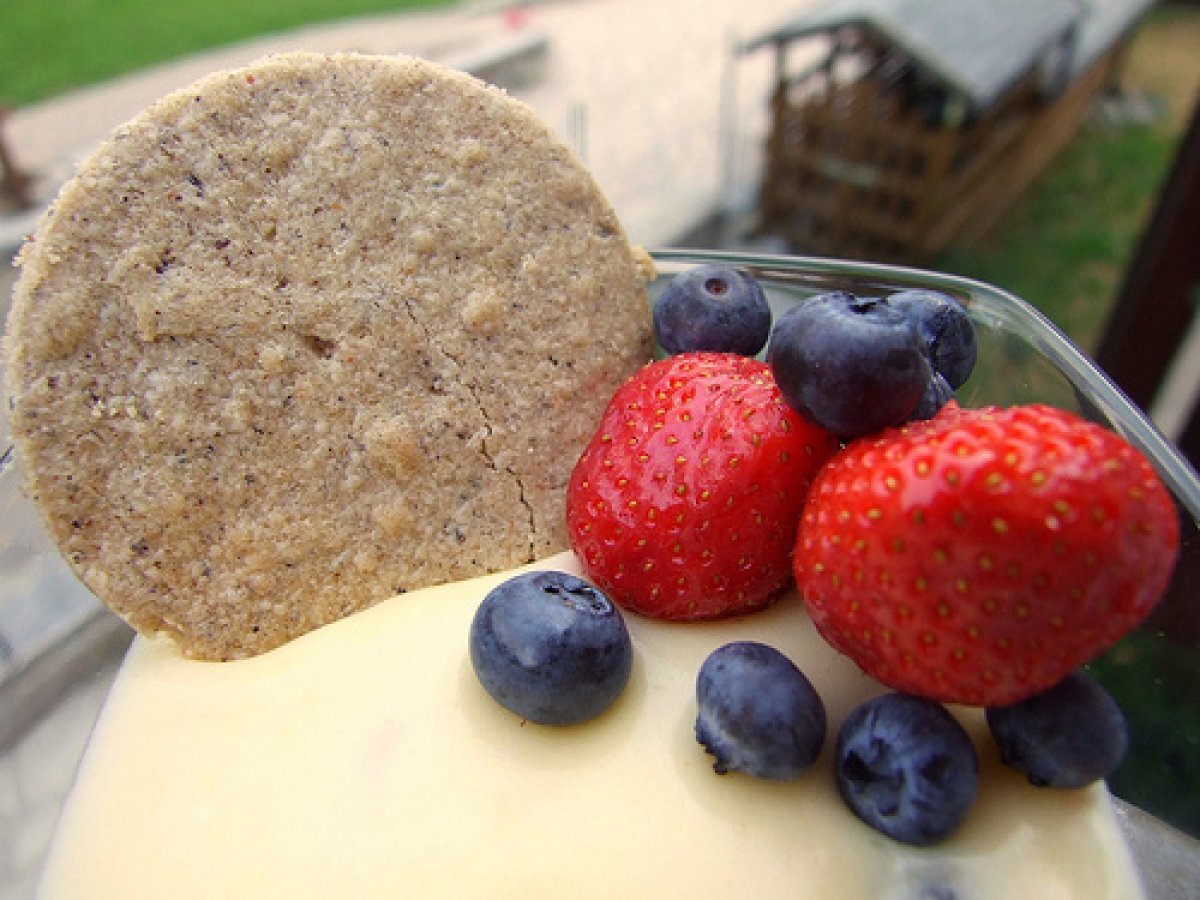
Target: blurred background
{"x":1049,"y":147}
{"x":1027,"y":143}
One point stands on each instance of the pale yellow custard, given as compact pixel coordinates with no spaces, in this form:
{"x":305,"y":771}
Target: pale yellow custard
{"x":364,"y":760}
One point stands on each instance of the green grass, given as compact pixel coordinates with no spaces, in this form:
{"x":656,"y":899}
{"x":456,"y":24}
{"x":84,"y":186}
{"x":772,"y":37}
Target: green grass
{"x":1066,"y":245}
{"x":50,"y":46}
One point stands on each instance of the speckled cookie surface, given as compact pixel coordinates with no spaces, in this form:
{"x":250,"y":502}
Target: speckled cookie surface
{"x":311,"y":333}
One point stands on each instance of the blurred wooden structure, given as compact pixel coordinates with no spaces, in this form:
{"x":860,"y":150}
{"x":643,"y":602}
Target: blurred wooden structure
{"x":922,"y":120}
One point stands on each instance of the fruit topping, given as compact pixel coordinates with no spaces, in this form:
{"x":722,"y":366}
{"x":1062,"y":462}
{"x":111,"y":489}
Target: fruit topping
{"x":851,"y":364}
{"x":551,"y":648}
{"x":1067,"y":736}
{"x":983,"y":555}
{"x":946,"y":328}
{"x":906,"y":767}
{"x":712,"y":308}
{"x":686,"y":502}
{"x":758,"y":713}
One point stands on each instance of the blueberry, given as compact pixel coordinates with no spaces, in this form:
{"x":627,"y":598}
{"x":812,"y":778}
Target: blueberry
{"x":550,"y":647}
{"x":937,"y":395}
{"x":1067,"y":736}
{"x":758,"y":713}
{"x":850,"y":364}
{"x":946,"y":328}
{"x":712,"y":308}
{"x":907,"y":768}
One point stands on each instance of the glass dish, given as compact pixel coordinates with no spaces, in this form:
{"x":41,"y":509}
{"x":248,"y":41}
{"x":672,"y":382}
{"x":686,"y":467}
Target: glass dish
{"x":60,"y":648}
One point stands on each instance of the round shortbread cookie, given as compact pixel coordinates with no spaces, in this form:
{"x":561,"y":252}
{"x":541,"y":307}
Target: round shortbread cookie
{"x":310,"y":333}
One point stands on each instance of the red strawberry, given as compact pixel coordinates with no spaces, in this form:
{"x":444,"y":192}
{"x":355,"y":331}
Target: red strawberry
{"x":685,"y":504}
{"x":983,"y":555}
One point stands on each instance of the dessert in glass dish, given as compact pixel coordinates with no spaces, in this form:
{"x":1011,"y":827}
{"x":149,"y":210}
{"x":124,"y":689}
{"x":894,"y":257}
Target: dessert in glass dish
{"x":421,"y":780}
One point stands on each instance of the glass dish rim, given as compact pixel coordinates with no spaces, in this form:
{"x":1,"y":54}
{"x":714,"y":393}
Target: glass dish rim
{"x":1075,"y":365}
